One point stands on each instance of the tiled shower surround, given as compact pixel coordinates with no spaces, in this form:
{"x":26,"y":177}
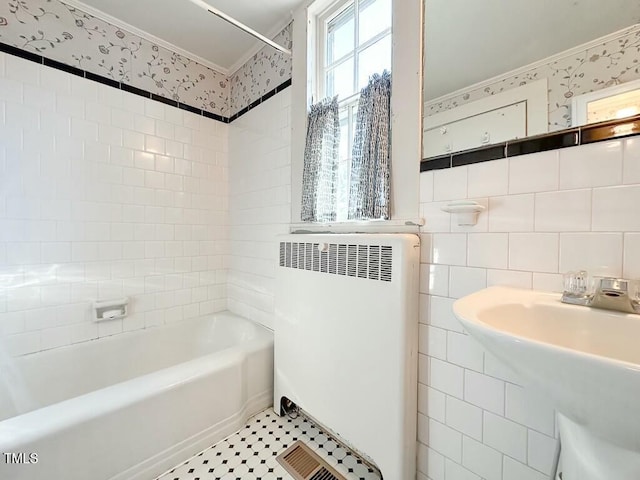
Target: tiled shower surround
{"x":547,"y":213}
{"x":104,"y":194}
{"x":259,"y":204}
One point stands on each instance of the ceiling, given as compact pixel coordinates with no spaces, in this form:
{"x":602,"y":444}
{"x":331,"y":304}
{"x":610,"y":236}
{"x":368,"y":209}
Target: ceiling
{"x":187,"y":26}
{"x":471,"y":41}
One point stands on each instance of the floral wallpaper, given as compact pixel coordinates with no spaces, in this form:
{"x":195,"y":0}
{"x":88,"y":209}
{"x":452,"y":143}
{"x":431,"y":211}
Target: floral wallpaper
{"x":610,"y":63}
{"x":262,"y":73}
{"x":61,"y":32}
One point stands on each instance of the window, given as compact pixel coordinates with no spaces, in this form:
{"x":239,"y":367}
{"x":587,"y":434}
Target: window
{"x":354,"y":43}
{"x":619,"y":101}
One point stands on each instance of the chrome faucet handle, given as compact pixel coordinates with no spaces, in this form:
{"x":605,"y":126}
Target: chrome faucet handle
{"x":576,"y":291}
{"x":575,"y":283}
{"x":613,"y":287}
{"x":617,"y":294}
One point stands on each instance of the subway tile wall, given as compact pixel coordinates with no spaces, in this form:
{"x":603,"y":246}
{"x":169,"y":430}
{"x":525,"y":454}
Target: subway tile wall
{"x":547,"y":213}
{"x":104,"y":194}
{"x":260,"y":204}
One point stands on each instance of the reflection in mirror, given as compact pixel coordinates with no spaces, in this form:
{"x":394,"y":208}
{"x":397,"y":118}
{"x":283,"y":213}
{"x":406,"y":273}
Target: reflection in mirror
{"x":495,"y":71}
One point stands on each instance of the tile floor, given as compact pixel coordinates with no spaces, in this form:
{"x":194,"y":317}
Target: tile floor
{"x":250,"y":454}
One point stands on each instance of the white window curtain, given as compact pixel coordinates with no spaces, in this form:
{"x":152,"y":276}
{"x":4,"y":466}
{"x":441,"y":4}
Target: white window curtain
{"x":319,"y":178}
{"x":370,"y":191}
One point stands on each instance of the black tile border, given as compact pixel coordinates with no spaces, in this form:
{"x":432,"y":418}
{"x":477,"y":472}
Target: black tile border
{"x":610,"y":130}
{"x":135,"y":90}
{"x":34,"y":57}
{"x":483,"y":154}
{"x":436,"y":163}
{"x":571,"y":137}
{"x":554,"y":141}
{"x":63,"y":66}
{"x":100,"y":79}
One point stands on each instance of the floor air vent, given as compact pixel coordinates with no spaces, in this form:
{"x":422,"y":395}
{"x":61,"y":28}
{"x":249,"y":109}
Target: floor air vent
{"x":302,"y":463}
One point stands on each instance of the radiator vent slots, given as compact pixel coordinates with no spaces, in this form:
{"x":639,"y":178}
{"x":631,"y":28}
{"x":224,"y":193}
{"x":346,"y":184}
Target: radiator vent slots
{"x":362,"y":261}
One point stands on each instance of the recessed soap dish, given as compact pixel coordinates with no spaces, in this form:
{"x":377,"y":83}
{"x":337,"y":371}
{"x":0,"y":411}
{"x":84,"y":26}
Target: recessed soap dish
{"x":466,"y":211}
{"x":110,"y":309}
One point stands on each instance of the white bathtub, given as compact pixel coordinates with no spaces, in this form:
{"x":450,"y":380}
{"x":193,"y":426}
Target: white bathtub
{"x":133,"y":405}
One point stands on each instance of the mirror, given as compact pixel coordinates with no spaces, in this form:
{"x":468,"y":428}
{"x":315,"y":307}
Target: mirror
{"x":498,"y":70}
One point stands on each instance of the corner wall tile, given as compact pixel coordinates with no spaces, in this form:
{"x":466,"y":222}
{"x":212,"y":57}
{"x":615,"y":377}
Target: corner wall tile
{"x":426,"y":187}
{"x":441,"y":314}
{"x":445,"y":440}
{"x":447,"y":378}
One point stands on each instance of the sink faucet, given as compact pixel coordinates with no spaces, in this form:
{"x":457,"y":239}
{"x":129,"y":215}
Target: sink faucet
{"x":608,"y":293}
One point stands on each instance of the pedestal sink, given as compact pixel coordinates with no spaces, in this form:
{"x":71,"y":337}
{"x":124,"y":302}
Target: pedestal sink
{"x":587,"y":361}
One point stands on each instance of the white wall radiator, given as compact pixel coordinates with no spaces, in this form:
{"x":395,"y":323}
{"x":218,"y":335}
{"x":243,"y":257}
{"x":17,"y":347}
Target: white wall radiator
{"x":346,"y":334}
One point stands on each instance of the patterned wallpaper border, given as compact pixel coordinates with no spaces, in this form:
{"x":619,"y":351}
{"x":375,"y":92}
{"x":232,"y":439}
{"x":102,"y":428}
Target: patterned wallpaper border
{"x":62,"y":35}
{"x":611,"y":62}
{"x":261,"y":73}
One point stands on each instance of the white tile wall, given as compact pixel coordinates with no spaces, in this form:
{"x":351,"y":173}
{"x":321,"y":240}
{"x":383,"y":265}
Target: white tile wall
{"x":260,"y":204}
{"x":547,"y":213}
{"x":104,"y":194}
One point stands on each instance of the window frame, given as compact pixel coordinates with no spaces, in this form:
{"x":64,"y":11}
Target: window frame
{"x":406,"y":116}
{"x":348,"y":105}
{"x":323,"y":19}
{"x":580,"y":103}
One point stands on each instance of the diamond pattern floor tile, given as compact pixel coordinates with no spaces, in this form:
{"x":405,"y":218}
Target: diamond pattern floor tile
{"x":250,"y":453}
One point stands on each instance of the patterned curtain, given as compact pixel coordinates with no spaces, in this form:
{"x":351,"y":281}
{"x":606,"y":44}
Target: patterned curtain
{"x":319,"y":176}
{"x":370,"y":190}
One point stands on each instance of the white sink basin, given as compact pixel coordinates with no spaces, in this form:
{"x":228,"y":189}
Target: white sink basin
{"x":587,"y":361}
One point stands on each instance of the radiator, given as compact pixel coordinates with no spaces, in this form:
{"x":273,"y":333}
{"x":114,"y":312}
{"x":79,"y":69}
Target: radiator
{"x":346,"y":334}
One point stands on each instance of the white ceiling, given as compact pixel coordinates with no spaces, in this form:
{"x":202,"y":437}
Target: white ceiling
{"x":187,"y":26}
{"x":468,"y":41}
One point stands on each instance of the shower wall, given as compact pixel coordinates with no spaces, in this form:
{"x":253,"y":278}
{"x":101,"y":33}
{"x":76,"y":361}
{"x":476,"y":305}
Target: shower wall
{"x":259,"y":203}
{"x":104,"y":194}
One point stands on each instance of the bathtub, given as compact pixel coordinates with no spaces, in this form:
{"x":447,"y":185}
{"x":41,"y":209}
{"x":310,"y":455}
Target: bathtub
{"x":133,"y":405}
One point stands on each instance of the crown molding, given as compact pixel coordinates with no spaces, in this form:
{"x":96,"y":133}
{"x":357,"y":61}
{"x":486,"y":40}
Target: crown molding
{"x":146,"y":35}
{"x":531,"y":66}
{"x":258,"y":46}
